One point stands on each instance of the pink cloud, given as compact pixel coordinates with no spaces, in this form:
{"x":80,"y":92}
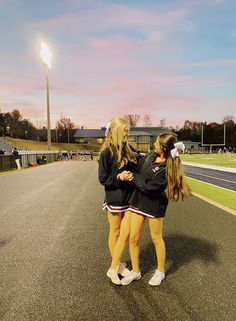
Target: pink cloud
{"x":118,"y":44}
{"x":117,"y":16}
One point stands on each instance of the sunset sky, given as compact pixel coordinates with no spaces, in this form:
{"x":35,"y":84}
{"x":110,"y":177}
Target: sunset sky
{"x":173,"y":59}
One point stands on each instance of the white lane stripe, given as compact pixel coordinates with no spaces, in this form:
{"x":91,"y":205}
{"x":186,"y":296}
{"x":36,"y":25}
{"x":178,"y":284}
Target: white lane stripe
{"x":214,"y":177}
{"x":222,"y":207}
{"x":218,"y":168}
{"x":198,"y":180}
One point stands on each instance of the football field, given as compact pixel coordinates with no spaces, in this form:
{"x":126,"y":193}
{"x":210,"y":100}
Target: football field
{"x":210,"y":191}
{"x":226,"y":160}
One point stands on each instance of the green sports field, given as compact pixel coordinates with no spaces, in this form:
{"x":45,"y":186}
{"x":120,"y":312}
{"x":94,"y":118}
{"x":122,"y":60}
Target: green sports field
{"x":213,"y":193}
{"x":220,"y":195}
{"x":226,"y":160}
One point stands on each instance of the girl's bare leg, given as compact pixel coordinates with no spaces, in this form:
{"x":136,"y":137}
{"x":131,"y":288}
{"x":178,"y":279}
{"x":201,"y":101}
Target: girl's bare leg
{"x":156,"y":228}
{"x":136,"y":224}
{"x":114,"y":232}
{"x":122,"y":240}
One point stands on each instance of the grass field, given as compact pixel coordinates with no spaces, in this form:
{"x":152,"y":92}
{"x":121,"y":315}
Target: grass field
{"x":24,"y":144}
{"x":227,"y":160}
{"x":214,"y":193}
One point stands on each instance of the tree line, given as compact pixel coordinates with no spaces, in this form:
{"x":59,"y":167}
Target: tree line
{"x":212,"y":133}
{"x":12,"y":124}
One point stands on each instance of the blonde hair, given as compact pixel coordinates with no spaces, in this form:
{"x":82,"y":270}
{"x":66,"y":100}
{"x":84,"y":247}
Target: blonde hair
{"x":176,"y":183}
{"x":114,"y":142}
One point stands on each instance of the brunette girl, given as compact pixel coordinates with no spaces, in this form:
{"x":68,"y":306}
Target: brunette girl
{"x":160,"y":170}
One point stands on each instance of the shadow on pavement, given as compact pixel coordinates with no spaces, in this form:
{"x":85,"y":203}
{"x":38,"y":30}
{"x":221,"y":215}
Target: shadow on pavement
{"x":181,"y":249}
{"x":145,"y":304}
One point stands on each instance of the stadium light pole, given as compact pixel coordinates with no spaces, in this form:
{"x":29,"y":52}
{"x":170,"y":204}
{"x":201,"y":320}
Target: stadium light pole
{"x":46,"y":57}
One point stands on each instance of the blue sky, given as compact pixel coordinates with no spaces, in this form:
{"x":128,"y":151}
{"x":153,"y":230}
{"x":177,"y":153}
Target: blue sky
{"x":168,"y":59}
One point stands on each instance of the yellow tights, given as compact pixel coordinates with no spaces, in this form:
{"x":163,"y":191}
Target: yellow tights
{"x":114,"y":229}
{"x":122,"y":240}
{"x":156,"y":228}
{"x":131,"y":227}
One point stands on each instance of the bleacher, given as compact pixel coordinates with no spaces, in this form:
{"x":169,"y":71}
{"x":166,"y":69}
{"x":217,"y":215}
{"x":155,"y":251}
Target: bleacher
{"x":6,"y":147}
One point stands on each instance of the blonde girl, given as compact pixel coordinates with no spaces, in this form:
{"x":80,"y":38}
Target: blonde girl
{"x":160,"y":170}
{"x":116,"y":156}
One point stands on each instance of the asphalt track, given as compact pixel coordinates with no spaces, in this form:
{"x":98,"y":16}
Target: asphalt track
{"x":54,"y":255}
{"x":216,"y":177}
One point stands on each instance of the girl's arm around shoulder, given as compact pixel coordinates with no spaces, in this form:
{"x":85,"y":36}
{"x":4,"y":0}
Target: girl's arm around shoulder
{"x":140,"y":161}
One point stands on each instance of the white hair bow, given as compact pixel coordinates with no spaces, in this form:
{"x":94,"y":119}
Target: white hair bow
{"x":107,"y":129}
{"x":174,"y":152}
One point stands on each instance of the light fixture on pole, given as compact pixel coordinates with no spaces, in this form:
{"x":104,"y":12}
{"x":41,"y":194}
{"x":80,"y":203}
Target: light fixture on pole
{"x":46,"y":57}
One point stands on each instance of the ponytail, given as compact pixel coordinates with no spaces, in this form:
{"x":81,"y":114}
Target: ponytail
{"x":176,"y":184}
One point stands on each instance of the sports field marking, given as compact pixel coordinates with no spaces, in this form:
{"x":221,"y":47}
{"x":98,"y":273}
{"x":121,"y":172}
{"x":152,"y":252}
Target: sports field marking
{"x":216,"y":195}
{"x":197,"y":180}
{"x":209,"y":176}
{"x":222,"y":207}
{"x":215,"y":167}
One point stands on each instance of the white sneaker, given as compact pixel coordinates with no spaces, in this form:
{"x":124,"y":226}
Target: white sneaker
{"x":113,"y":275}
{"x":122,"y":270}
{"x":132,"y":276}
{"x":157,"y":278}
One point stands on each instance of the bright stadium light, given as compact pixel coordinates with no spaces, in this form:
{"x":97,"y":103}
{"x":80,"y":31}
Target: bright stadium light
{"x":46,"y":55}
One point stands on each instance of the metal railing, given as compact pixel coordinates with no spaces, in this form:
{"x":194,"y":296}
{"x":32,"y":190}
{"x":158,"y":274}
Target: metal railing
{"x":26,"y":159}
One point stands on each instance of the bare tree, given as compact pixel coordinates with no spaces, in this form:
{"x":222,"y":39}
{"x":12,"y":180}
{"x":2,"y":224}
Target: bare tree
{"x":64,"y":127}
{"x":39,"y":123}
{"x":64,"y":123}
{"x":228,"y":119}
{"x":147,"y":121}
{"x":132,"y":119}
{"x":163,"y":123}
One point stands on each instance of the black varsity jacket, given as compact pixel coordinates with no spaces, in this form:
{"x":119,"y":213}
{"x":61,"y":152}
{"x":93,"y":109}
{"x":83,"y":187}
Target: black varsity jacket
{"x":117,"y":192}
{"x":150,"y":183}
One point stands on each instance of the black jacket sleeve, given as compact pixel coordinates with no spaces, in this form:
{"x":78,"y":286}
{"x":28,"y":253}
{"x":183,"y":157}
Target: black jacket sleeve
{"x":105,"y":174}
{"x":155,"y":181}
{"x":140,"y":162}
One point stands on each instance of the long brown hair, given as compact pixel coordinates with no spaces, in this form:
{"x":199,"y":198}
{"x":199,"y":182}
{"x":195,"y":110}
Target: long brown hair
{"x":115,"y":143}
{"x":176,"y":183}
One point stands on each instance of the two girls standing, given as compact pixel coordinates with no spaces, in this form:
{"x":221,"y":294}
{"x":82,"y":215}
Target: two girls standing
{"x":158,"y":171}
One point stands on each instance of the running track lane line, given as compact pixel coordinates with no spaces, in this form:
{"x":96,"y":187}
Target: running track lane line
{"x":222,"y":207}
{"x":209,"y":176}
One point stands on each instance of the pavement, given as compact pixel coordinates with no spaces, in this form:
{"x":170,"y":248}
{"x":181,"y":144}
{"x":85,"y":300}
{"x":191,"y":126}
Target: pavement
{"x":54,"y":254}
